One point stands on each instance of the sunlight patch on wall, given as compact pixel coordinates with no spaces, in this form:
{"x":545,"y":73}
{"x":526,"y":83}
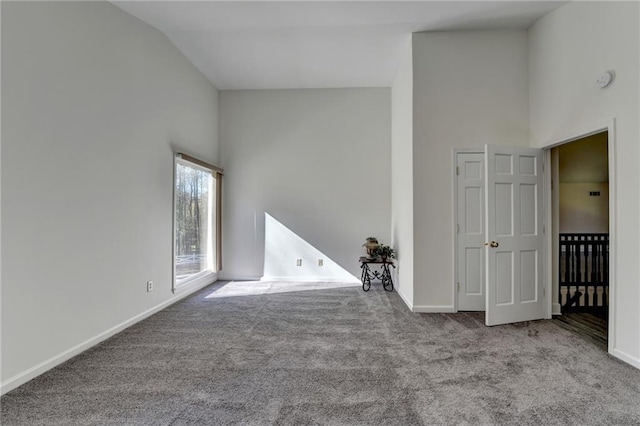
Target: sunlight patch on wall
{"x":289,"y":257}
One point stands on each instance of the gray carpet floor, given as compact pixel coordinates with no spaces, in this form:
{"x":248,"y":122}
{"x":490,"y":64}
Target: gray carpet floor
{"x":327,"y":354}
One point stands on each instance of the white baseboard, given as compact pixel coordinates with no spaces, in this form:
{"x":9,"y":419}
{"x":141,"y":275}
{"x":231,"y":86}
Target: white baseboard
{"x":556,"y":309}
{"x":434,"y":309}
{"x":627,"y":358}
{"x":33,"y":372}
{"x":404,"y":299}
{"x":312,"y":279}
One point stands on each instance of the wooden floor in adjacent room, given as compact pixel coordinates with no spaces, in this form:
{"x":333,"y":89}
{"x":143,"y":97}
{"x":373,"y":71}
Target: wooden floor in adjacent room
{"x":587,"y":325}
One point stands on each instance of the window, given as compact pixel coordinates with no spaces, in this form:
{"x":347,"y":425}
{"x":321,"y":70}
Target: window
{"x":196,"y":220}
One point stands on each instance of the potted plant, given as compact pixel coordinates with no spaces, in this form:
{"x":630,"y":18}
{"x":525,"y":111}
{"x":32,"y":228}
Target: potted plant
{"x":386,"y":252}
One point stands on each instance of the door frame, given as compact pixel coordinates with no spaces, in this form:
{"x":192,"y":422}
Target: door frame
{"x":454,"y":157}
{"x":609,"y":126}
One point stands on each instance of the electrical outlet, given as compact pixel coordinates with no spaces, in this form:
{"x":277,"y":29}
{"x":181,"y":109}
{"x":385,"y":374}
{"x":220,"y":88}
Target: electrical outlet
{"x":320,"y":262}
{"x":299,"y":262}
{"x":149,"y":286}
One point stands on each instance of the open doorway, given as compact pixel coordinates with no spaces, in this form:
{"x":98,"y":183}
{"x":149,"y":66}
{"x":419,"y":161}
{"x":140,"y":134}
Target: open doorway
{"x":580,"y":204}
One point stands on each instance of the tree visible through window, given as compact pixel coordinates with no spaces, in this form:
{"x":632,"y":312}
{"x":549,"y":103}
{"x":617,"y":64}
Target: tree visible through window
{"x":195,"y":208}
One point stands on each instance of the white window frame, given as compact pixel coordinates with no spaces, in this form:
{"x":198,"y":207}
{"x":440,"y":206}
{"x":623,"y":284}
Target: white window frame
{"x":214,"y":262}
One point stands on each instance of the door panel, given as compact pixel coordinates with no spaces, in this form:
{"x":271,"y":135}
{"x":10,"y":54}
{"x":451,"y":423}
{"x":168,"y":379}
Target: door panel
{"x":470,"y":231}
{"x":514,"y":222}
{"x":473,"y":211}
{"x":528,"y":218}
{"x":528,"y":272}
{"x":503,"y":212}
{"x":473,"y":278}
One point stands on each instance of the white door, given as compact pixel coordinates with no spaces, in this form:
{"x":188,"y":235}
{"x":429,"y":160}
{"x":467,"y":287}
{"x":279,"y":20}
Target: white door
{"x":470,"y":231}
{"x":513,"y":214}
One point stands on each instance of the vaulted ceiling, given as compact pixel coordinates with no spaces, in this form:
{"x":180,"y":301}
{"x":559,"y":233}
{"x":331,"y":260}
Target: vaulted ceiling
{"x":315,"y":44}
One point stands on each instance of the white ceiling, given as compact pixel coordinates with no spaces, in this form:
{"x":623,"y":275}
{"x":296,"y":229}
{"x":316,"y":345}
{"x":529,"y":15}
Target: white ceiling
{"x":315,"y":44}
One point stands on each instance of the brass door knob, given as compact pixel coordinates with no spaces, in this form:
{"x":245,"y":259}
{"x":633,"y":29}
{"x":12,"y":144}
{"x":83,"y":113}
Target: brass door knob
{"x":493,"y":244}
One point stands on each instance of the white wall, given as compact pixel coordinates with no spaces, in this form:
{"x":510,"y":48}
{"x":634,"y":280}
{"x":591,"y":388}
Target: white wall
{"x":470,"y":88}
{"x":583,"y":168}
{"x":569,"y":48}
{"x":581,"y":212}
{"x":584,"y":160}
{"x":317,"y":161}
{"x":402,"y":172}
{"x":94,"y":103}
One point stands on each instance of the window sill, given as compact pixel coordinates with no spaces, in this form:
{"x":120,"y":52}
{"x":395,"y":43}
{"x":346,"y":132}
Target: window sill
{"x":198,"y":280}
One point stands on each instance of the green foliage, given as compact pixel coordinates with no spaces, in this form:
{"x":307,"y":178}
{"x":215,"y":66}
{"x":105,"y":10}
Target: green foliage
{"x":191,"y":209}
{"x":386,"y":251}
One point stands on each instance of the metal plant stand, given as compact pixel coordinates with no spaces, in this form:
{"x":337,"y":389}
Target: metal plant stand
{"x":383,"y":273}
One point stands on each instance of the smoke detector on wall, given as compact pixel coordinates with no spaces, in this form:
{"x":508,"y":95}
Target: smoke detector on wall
{"x":604,"y":79}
